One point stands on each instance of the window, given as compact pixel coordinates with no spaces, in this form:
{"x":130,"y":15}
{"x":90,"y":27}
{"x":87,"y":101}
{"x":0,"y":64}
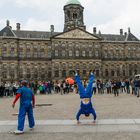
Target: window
{"x":77,"y":53}
{"x":64,"y":66}
{"x":28,"y":74}
{"x":70,"y":53}
{"x":12,"y":50}
{"x":135,"y":72}
{"x":83,"y":53}
{"x":74,"y":15}
{"x":12,"y":74}
{"x":28,"y":53}
{"x":63,"y":73}
{"x":112,"y":73}
{"x":130,"y":72}
{"x":4,"y":74}
{"x":21,"y":73}
{"x":35,"y":74}
{"x":49,"y":74}
{"x":56,"y":73}
{"x":118,"y":73}
{"x":106,"y":72}
{"x":56,"y":53}
{"x":35,"y":52}
{"x":77,"y":66}
{"x":96,"y":53}
{"x":70,"y":72}
{"x":70,"y":66}
{"x":63,"y":53}
{"x":4,"y":51}
{"x":105,"y":54}
{"x":90,"y":53}
{"x":43,"y":75}
{"x":97,"y":73}
{"x":21,"y":52}
{"x":123,"y":72}
{"x":49,"y":54}
{"x":42,"y":53}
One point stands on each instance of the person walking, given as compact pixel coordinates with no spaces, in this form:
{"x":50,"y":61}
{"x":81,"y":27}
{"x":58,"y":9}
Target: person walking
{"x":27,"y":103}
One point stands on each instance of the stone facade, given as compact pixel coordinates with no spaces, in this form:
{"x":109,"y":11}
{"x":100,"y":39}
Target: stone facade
{"x":53,"y":55}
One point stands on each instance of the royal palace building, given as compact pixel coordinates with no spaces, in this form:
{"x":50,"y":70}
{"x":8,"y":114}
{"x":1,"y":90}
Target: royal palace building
{"x":50,"y":55}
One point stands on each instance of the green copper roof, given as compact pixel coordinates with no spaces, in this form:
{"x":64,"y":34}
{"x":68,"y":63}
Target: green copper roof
{"x":73,"y":2}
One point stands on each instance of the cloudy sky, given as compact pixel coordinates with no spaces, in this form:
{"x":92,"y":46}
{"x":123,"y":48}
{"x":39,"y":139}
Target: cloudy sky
{"x":107,"y":15}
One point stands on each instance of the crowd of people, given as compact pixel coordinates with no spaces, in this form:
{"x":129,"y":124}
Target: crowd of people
{"x":115,"y":87}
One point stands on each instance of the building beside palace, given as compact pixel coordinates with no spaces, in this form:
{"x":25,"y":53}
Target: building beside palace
{"x":37,"y":55}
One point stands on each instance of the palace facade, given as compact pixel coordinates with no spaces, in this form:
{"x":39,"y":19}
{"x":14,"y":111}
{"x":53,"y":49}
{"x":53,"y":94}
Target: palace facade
{"x":37,"y":55}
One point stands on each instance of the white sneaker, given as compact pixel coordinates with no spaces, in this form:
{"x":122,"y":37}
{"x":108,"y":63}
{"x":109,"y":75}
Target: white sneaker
{"x":18,"y":132}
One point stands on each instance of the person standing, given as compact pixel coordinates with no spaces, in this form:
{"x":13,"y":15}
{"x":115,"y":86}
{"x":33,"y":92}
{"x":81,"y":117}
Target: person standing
{"x":27,"y":103}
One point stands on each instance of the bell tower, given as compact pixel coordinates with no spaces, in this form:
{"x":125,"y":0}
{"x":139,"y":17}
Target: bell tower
{"x":73,"y":11}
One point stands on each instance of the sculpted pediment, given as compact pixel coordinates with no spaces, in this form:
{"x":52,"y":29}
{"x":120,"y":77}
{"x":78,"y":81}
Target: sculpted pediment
{"x":77,"y":34}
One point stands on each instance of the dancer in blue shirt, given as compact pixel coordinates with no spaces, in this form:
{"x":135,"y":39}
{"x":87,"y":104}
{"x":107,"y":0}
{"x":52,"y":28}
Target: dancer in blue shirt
{"x":27,"y":102}
{"x":86,"y":107}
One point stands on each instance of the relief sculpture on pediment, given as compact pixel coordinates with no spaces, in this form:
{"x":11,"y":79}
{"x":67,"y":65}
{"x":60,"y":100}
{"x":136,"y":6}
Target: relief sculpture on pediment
{"x":77,"y":34}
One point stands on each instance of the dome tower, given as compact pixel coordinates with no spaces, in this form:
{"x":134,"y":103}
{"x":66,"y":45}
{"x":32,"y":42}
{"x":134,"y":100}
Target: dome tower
{"x":73,"y":11}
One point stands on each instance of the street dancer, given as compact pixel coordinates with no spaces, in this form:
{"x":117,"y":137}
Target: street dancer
{"x":27,"y":102}
{"x":86,"y":107}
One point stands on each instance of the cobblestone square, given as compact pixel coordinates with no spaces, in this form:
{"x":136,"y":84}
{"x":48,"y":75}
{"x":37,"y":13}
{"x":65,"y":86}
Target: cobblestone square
{"x":115,"y":118}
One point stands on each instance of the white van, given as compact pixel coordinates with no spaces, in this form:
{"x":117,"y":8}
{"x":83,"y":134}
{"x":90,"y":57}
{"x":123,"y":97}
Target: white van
{"x":137,"y":76}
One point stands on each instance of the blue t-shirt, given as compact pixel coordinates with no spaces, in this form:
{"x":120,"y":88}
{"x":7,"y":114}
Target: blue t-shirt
{"x":26,"y":96}
{"x":86,"y":108}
